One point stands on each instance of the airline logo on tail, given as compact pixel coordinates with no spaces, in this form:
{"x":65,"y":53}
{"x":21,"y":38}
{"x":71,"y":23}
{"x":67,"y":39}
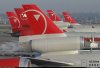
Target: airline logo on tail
{"x":37,"y":18}
{"x":53,"y":15}
{"x":39,"y":21}
{"x":26,"y":29}
{"x":69,"y":19}
{"x":23,"y":16}
{"x":14,"y":21}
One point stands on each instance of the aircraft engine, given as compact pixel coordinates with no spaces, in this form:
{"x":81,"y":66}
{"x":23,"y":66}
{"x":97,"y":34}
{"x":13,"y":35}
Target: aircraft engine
{"x":57,"y":44}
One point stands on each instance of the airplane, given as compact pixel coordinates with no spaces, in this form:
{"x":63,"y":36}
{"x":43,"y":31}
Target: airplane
{"x":6,"y":59}
{"x":81,"y":30}
{"x":14,"y":21}
{"x":31,"y":19}
{"x":35,"y":15}
{"x":69,"y":18}
{"x":70,"y":32}
{"x":47,"y":54}
{"x":22,"y":33}
{"x":53,"y":16}
{"x":39,"y":32}
{"x":79,"y":27}
{"x":57,"y":20}
{"x":17,"y":24}
{"x":24,"y":22}
{"x":19,"y":11}
{"x":74,"y":25}
{"x":45,"y":40}
{"x":56,"y":31}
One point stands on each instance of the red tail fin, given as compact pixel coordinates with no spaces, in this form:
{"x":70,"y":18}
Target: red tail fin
{"x":24,"y":21}
{"x":14,"y":21}
{"x":39,"y":22}
{"x":69,"y":19}
{"x":53,"y":16}
{"x":22,"y":17}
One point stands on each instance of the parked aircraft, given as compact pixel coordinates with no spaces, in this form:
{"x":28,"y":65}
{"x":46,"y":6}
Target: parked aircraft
{"x":14,"y":21}
{"x":45,"y":37}
{"x":57,"y":20}
{"x":69,"y":18}
{"x":79,"y":27}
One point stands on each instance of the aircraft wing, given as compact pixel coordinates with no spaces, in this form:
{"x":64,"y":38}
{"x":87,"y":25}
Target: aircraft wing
{"x":58,"y":58}
{"x":73,"y":59}
{"x":47,"y":63}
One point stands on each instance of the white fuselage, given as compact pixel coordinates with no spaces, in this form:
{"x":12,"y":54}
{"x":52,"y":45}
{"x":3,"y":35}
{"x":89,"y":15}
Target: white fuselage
{"x":83,"y":34}
{"x":62,"y":25}
{"x":85,"y":28}
{"x":77,"y":28}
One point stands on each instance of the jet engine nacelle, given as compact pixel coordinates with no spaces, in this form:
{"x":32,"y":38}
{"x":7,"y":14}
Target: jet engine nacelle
{"x":57,"y":44}
{"x":14,"y":62}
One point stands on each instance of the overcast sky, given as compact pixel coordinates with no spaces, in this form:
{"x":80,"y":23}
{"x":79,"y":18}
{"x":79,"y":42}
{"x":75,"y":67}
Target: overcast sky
{"x":57,"y":5}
